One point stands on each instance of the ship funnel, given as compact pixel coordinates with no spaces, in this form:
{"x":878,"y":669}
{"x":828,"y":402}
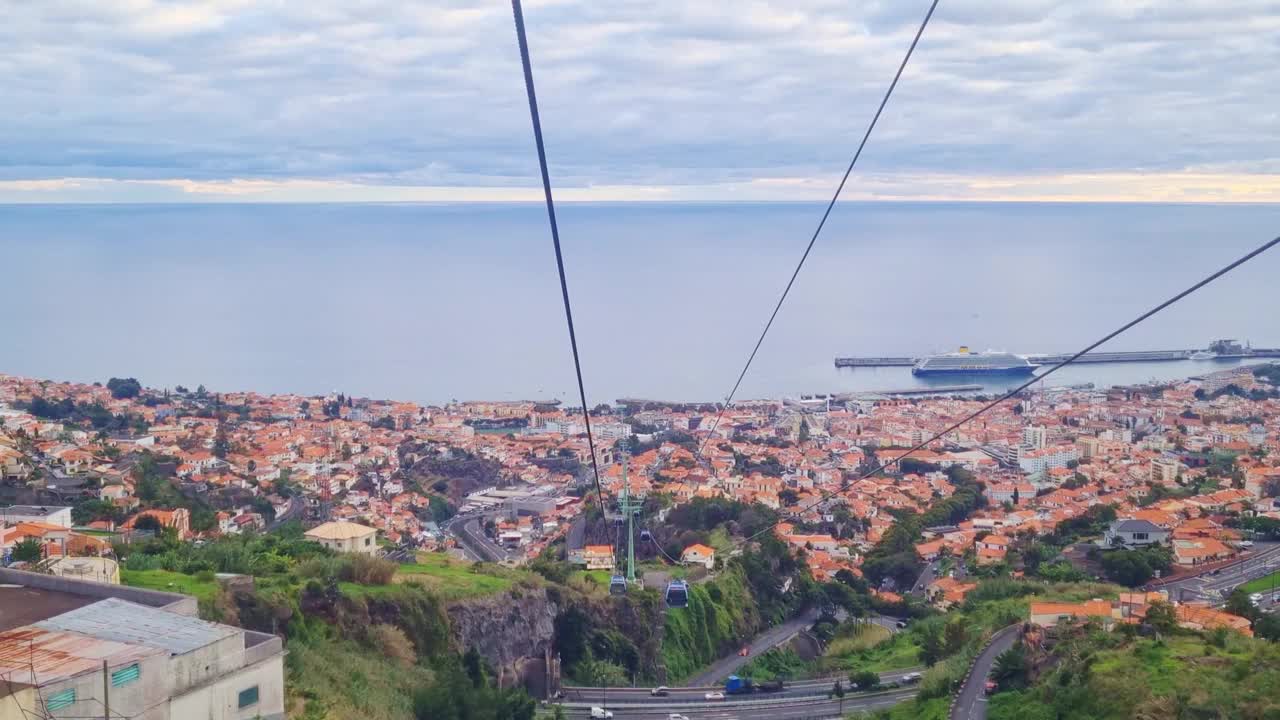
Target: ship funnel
{"x":964,"y":349}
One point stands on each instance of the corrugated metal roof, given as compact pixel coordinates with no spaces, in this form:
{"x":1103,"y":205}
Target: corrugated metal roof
{"x":123,"y":621}
{"x":36,"y":656}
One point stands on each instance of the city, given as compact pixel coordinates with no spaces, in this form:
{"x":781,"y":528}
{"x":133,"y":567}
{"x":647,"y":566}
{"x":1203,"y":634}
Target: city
{"x":1172,"y":490}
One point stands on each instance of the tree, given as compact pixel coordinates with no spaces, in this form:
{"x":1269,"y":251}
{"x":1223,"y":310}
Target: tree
{"x":28,"y":550}
{"x":864,"y":679}
{"x":124,"y":388}
{"x":932,"y":644}
{"x":804,"y":430}
{"x":1162,"y":617}
{"x":1267,"y":627}
{"x":1011,"y":668}
{"x":148,"y":522}
{"x":1238,"y":603}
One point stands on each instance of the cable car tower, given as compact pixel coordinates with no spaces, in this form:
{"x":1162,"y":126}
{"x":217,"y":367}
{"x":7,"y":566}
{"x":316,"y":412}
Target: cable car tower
{"x":629,"y":507}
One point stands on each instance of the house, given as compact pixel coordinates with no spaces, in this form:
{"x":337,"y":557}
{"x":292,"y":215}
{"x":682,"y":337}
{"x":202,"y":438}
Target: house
{"x":179,"y":519}
{"x":344,"y":536}
{"x":1199,"y":550}
{"x":1134,"y":532}
{"x":1049,"y":614}
{"x":699,"y":555}
{"x":597,"y":557}
{"x":991,"y":549}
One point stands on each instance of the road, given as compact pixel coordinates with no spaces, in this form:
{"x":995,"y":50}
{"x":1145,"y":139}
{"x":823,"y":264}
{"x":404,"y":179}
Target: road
{"x":293,"y":511}
{"x":762,"y":643}
{"x":796,"y":690}
{"x":927,"y":576}
{"x":971,"y":701}
{"x":1264,"y":560}
{"x":814,"y":708}
{"x":466,"y":528}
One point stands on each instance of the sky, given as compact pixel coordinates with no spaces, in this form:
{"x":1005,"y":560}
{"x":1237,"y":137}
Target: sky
{"x":373,"y":100}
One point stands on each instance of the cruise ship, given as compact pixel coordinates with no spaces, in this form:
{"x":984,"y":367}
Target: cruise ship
{"x":965,"y":362}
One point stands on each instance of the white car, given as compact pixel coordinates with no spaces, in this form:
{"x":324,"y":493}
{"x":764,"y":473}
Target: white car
{"x":660,"y":691}
{"x":714,"y":695}
{"x":1255,"y":598}
{"x":677,"y":716}
{"x":913,"y":677}
{"x":599,"y":713}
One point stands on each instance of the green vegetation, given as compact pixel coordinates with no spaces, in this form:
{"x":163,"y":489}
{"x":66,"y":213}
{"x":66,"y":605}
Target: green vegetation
{"x":1093,"y":673}
{"x":366,"y":638}
{"x":774,"y":664}
{"x":169,"y":581}
{"x":1263,"y":584}
{"x":720,"y":614}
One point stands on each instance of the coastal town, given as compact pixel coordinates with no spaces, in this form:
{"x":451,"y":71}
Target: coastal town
{"x":1180,"y":463}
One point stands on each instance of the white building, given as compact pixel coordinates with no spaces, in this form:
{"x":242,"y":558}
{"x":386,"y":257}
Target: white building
{"x":344,"y":536}
{"x":49,"y":514}
{"x":1035,"y":437}
{"x":148,"y":663}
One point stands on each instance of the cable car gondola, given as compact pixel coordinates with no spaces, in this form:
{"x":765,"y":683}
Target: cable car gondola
{"x":645,"y":536}
{"x":677,"y":594}
{"x":617,"y":585}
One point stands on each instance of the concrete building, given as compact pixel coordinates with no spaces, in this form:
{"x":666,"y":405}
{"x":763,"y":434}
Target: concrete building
{"x":1035,"y":437}
{"x":1165,"y":470}
{"x":77,"y":649}
{"x":48,"y":514}
{"x":344,"y":536}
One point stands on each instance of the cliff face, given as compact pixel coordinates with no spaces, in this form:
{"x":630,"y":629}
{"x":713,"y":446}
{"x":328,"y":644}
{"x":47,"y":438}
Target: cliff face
{"x":510,"y":630}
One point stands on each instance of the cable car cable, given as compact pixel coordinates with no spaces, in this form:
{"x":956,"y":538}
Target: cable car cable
{"x":821,"y":223}
{"x":555,"y":241}
{"x":844,"y":485}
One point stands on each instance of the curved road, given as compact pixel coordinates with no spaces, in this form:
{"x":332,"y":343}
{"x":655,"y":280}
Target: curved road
{"x":971,"y":701}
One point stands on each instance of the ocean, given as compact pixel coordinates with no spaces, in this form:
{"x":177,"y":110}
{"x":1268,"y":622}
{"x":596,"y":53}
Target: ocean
{"x":437,"y":302}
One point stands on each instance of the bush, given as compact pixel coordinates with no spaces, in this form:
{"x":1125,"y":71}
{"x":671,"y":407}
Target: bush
{"x":393,"y":643}
{"x":366,"y":570}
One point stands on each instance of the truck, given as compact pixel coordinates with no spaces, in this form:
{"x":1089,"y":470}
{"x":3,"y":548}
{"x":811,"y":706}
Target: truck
{"x":742,"y":686}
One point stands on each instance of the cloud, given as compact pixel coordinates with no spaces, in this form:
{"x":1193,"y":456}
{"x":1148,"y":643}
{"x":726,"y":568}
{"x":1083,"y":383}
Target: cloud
{"x":384,"y":99}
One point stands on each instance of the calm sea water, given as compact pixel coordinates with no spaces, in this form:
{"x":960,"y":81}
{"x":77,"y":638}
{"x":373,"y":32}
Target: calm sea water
{"x":433,"y":302}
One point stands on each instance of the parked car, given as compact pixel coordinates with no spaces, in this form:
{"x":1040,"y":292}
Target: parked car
{"x":660,"y":691}
{"x":745,"y":651}
{"x":989,"y":688}
{"x":1255,"y":598}
{"x":714,"y":695}
{"x":599,"y":713}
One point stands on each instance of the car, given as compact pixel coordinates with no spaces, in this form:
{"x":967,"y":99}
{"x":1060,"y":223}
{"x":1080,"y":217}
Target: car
{"x":1255,"y":598}
{"x":745,"y":651}
{"x":989,"y":688}
{"x":1246,"y":543}
{"x":1216,"y":571}
{"x":599,"y":713}
{"x":911,"y":677}
{"x":677,"y":716}
{"x":901,"y":624}
{"x":660,"y":691}
{"x":714,"y":695}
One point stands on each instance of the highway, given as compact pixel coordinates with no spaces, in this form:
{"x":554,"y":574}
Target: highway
{"x":1216,"y":585}
{"x":971,"y":700}
{"x":760,"y":707}
{"x":796,"y":690}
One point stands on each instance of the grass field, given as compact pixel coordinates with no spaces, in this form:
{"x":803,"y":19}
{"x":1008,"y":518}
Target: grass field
{"x":1263,"y":584}
{"x":454,"y":579}
{"x":170,"y":582}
